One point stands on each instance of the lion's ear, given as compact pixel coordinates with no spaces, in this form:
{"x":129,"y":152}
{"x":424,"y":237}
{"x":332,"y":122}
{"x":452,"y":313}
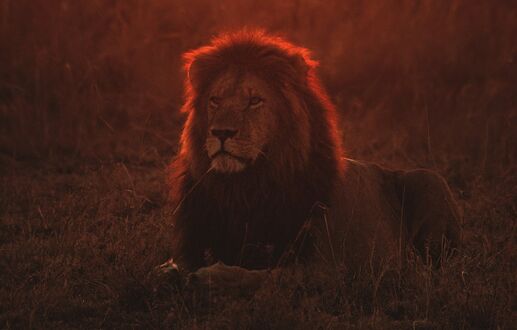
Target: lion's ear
{"x":301,"y":65}
{"x":195,"y":66}
{"x":194,"y":73}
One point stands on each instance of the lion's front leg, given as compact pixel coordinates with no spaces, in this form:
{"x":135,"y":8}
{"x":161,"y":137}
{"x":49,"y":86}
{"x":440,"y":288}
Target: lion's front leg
{"x":213,"y":281}
{"x":220,"y":279}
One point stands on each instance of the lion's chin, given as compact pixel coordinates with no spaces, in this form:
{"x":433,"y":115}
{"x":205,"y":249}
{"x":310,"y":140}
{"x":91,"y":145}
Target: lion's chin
{"x":227,"y":164}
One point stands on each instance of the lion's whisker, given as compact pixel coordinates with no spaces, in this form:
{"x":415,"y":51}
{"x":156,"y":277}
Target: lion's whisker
{"x":259,"y":151}
{"x":191,"y":190}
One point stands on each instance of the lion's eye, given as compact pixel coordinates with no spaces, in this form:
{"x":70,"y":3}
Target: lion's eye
{"x":214,"y":101}
{"x":255,"y":101}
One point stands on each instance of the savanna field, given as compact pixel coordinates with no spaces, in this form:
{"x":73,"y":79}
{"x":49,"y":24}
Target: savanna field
{"x":90,"y":93}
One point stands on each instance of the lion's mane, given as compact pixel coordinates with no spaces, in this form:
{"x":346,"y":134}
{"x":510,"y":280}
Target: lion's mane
{"x":250,"y":218}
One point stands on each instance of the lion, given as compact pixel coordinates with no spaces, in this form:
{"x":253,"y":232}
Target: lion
{"x":261,"y":179}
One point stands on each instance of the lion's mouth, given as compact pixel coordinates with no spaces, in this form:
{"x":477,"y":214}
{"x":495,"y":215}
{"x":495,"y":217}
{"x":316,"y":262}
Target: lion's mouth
{"x":224,"y":153}
{"x":226,"y":162}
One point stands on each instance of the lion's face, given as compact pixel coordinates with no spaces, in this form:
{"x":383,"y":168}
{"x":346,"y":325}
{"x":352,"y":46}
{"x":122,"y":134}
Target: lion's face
{"x":241,"y":121}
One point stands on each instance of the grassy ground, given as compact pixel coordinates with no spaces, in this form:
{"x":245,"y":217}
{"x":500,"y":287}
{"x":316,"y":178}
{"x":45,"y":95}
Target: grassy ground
{"x":89,"y":98}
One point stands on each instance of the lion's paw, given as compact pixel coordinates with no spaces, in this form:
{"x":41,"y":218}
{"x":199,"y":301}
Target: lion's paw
{"x":220,"y":279}
{"x":165,"y":275}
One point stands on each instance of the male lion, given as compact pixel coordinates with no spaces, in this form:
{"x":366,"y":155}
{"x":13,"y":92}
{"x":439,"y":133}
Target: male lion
{"x":260,"y":179}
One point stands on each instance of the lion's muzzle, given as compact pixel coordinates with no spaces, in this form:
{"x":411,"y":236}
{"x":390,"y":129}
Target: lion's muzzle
{"x":221,"y":147}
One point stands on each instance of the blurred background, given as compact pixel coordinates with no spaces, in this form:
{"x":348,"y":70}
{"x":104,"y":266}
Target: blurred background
{"x":417,"y":81}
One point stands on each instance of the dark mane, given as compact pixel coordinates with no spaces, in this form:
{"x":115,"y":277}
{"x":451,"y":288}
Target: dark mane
{"x":249,"y":218}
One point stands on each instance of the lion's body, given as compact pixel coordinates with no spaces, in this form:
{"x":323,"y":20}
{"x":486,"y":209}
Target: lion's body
{"x":376,"y":214}
{"x":261,"y":163}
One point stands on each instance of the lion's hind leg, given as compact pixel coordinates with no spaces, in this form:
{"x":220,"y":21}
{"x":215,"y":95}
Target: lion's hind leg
{"x":430,"y":212}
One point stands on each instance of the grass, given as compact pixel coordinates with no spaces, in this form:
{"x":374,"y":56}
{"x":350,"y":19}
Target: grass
{"x":89,"y":98}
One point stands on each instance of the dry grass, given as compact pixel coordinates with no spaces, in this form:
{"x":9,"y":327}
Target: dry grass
{"x":89,"y":98}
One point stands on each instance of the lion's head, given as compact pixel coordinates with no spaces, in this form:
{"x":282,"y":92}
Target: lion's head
{"x":241,"y":110}
{"x":249,"y":99}
{"x":260,"y":143}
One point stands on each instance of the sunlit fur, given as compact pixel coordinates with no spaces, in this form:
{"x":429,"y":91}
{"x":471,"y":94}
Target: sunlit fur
{"x":294,"y":153}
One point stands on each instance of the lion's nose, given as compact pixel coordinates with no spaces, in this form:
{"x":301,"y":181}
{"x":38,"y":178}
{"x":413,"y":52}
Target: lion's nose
{"x":223,"y":134}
